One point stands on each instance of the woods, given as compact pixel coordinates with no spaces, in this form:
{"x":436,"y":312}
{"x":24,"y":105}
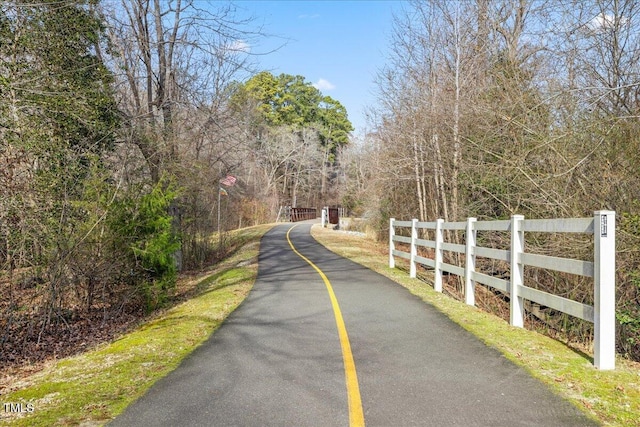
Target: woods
{"x":492,"y":108}
{"x":119,"y":118}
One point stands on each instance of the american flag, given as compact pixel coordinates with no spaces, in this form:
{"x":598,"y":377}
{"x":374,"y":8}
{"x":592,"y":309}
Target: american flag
{"x":228,"y":181}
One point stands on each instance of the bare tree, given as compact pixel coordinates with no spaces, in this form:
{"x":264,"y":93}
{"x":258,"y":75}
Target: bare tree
{"x":175,"y":63}
{"x":175,"y":58}
{"x":491,"y":108}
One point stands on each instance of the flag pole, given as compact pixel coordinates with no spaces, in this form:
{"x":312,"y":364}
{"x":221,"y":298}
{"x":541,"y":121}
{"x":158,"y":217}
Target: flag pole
{"x":219,"y":193}
{"x":228,"y":181}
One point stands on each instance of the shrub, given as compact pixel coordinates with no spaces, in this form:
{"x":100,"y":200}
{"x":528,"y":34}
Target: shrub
{"x":146,"y":226}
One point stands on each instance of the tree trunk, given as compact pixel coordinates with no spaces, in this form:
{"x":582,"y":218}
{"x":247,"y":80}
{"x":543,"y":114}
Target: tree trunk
{"x":419,"y":178}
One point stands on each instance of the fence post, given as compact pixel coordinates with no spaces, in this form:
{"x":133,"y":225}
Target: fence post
{"x":392,"y":246}
{"x":517,"y":271}
{"x":437,"y":281}
{"x":414,"y":248}
{"x":604,"y":284}
{"x":470,"y":262}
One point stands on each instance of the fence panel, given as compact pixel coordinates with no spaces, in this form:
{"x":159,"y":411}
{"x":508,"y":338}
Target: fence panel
{"x":602,"y":269}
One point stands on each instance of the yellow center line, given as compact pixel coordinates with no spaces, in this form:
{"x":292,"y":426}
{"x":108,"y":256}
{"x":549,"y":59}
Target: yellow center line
{"x":356,"y":416}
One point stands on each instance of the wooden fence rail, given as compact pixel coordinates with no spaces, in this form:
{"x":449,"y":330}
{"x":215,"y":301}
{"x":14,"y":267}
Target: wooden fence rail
{"x":602,"y":269}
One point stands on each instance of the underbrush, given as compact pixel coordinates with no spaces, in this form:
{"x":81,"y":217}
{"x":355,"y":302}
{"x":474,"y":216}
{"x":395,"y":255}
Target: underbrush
{"x":33,"y":331}
{"x":94,"y":386}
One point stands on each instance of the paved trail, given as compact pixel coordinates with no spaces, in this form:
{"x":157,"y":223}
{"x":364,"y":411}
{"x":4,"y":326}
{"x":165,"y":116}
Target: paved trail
{"x":278,"y":360}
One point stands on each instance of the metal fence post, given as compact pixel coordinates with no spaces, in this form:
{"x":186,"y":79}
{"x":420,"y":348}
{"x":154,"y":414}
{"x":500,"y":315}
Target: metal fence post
{"x":470,"y":262}
{"x":517,"y":271}
{"x":392,"y":246}
{"x":604,"y":278}
{"x":437,"y":281}
{"x":414,"y":248}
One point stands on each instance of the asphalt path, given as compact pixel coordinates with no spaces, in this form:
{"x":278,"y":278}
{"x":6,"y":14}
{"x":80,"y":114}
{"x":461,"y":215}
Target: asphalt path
{"x":278,"y":360}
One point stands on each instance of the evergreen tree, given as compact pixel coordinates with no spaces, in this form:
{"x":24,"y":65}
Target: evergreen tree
{"x":287,"y":114}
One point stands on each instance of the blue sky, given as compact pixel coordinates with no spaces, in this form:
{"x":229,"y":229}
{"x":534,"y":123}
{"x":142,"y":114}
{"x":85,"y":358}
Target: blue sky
{"x":337,"y":45}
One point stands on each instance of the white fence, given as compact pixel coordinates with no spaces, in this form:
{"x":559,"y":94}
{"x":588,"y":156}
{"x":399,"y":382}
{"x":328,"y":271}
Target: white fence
{"x":602,"y":269}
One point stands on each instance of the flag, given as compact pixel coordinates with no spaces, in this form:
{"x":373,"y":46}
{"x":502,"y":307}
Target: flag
{"x":223,"y":192}
{"x":228,"y":181}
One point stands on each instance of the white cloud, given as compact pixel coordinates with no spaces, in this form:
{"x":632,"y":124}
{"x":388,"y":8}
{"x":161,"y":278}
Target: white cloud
{"x":323,"y":84}
{"x":603,"y":22}
{"x":600,"y":22}
{"x":239,"y":46}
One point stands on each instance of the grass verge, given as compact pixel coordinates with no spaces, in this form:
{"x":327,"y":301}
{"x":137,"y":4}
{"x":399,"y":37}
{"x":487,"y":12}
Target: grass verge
{"x":92,"y":388}
{"x":611,"y":397}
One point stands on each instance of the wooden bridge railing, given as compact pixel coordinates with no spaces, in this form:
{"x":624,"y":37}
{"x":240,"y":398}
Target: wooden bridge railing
{"x":302,"y":214}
